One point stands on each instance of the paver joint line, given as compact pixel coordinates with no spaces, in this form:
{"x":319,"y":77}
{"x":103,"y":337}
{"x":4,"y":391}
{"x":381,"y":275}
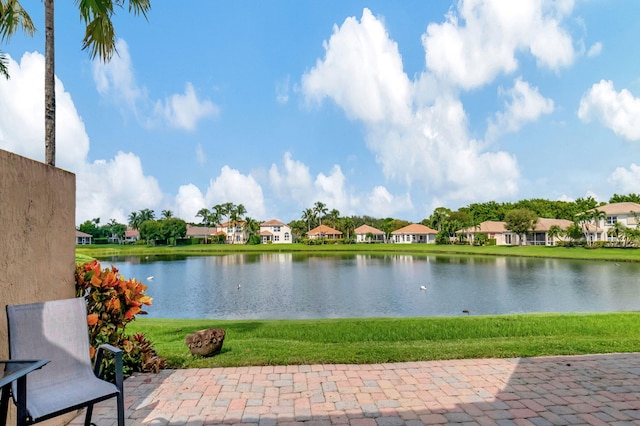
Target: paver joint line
{"x":589,"y":389}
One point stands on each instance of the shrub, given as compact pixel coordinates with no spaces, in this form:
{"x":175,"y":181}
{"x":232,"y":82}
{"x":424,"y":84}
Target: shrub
{"x":112,"y":303}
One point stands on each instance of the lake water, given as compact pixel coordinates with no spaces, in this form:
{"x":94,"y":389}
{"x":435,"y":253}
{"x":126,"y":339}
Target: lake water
{"x":285,"y":285}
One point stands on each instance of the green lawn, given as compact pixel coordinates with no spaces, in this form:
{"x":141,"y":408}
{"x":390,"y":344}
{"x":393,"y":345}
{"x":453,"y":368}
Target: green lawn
{"x":376,"y":340}
{"x":612,"y":254}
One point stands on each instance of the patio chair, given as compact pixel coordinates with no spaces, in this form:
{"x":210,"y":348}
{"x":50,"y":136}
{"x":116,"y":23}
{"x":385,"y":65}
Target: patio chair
{"x":58,"y":331}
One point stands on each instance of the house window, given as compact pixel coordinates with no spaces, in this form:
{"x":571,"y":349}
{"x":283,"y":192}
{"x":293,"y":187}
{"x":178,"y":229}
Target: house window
{"x":611,"y":220}
{"x":286,"y":236}
{"x":276,"y":229}
{"x":507,"y":239}
{"x":276,"y":238}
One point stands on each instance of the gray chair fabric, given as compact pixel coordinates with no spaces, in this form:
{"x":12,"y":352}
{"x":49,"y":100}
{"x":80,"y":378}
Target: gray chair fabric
{"x":57,"y":331}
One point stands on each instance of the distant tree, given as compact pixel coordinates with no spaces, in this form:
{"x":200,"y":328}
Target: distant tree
{"x":115,"y":229}
{"x":574,"y":232}
{"x":320,"y":210}
{"x":520,"y":221}
{"x":252,"y":227}
{"x":134,"y":220}
{"x":147,"y":214}
{"x":348,"y":226}
{"x":555,"y":232}
{"x":629,"y":198}
{"x":298,"y":228}
{"x":205,"y":216}
{"x":172,"y":229}
{"x":309,"y":216}
{"x":151,"y":230}
{"x":167,"y":214}
{"x":332,"y":218}
{"x":89,"y":227}
{"x":437,"y":218}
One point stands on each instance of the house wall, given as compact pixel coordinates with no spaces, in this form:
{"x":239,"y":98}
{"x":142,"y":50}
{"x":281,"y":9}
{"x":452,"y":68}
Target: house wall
{"x":37,"y":224}
{"x":279,"y":236}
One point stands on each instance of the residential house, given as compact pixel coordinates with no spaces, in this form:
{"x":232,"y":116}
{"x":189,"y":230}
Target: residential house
{"x":414,"y":233}
{"x":369,"y":234}
{"x":324,"y":231}
{"x":275,"y":232}
{"x":200,"y":232}
{"x":540,"y":235}
{"x":235,"y":232}
{"x":131,"y":236}
{"x":83,"y":238}
{"x":627,"y":214}
{"x":494,"y":230}
{"x":497,"y":231}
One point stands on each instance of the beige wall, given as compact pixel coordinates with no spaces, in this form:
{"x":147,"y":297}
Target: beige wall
{"x":37,"y":234}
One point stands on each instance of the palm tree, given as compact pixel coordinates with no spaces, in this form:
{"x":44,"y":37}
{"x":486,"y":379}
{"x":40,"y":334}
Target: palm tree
{"x":12,"y":18}
{"x":251,"y":226}
{"x":320,"y":209}
{"x":554,"y":232}
{"x":333,"y":217}
{"x":348,"y":226}
{"x":167,"y":214}
{"x":99,"y":40}
{"x":134,"y":220}
{"x":205,"y":215}
{"x":146,"y":214}
{"x":308,"y":215}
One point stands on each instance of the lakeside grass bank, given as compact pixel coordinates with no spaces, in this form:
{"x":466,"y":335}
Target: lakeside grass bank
{"x":580,"y":253}
{"x":379,"y":340}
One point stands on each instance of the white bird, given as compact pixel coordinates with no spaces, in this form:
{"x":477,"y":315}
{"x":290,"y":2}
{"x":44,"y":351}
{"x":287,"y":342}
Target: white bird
{"x":150,"y":278}
{"x":239,"y":286}
{"x":423,"y":287}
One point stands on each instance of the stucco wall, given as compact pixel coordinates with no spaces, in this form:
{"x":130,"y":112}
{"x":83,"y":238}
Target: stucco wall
{"x":37,"y":234}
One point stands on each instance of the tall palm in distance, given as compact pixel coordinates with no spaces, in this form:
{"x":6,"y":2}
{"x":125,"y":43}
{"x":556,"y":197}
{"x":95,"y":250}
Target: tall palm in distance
{"x":320,"y":209}
{"x":309,"y":216}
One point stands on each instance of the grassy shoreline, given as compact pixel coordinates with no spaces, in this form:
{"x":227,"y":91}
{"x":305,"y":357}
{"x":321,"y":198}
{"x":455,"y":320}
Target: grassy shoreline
{"x":380,"y":340}
{"x":578,"y":253}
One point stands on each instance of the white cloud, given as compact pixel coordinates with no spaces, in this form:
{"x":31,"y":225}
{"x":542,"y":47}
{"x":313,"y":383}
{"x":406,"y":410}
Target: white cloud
{"x":525,"y":104}
{"x":114,"y":188}
{"x":188,"y":202}
{"x":595,"y":50}
{"x":361,"y":72}
{"x":294,"y":182}
{"x":419,"y":134}
{"x":22,"y":116}
{"x":232,"y":186}
{"x":381,"y":203}
{"x":481,"y":38}
{"x":105,"y":188}
{"x":116,"y":80}
{"x":626,"y":180}
{"x":619,"y":111}
{"x":184,"y":111}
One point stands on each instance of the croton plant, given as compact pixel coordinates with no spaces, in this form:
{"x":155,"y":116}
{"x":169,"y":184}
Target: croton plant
{"x":113,"y":302}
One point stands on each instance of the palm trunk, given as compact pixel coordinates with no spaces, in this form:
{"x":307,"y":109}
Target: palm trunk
{"x":49,"y":87}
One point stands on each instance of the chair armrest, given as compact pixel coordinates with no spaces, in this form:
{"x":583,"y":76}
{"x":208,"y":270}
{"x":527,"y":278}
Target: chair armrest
{"x":117,"y":354}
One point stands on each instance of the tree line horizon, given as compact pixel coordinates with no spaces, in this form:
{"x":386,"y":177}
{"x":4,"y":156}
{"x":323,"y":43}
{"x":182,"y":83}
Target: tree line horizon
{"x":443,"y":220}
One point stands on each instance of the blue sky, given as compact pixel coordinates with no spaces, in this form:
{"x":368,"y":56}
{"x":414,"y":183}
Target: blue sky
{"x":373,"y":107}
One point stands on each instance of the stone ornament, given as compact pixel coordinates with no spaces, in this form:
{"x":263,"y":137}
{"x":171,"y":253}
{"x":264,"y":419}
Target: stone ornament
{"x":206,"y":342}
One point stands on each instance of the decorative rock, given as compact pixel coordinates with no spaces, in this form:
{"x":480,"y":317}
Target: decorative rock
{"x":206,"y":342}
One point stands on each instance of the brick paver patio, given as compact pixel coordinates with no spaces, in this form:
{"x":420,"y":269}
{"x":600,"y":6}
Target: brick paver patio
{"x":575,"y":390}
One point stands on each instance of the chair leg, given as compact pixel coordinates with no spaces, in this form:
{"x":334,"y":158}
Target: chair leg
{"x":87,"y":418}
{"x":120,"y":403}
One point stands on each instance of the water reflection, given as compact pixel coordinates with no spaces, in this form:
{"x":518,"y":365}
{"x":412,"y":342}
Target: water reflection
{"x":286,"y":285}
